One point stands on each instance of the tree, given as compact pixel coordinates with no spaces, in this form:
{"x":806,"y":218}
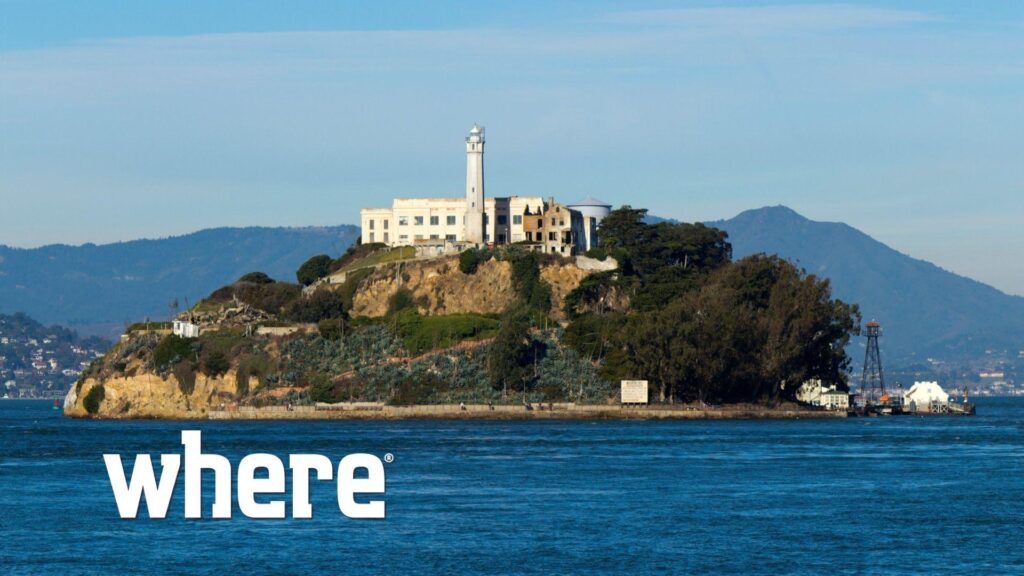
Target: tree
{"x":511,"y":353}
{"x":256,"y":278}
{"x":320,"y":305}
{"x":313,"y":269}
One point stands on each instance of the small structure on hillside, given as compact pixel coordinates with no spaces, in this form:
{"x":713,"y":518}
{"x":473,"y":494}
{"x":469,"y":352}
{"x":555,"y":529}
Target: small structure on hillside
{"x":925,"y":397}
{"x":185,"y":329}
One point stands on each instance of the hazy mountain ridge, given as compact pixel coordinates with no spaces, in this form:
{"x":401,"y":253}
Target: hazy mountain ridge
{"x":924,"y":310}
{"x":112,"y":283}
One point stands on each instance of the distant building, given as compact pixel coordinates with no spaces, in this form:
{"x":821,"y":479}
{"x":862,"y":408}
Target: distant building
{"x":815,"y":393}
{"x":446,"y":224}
{"x":185,"y":329}
{"x":925,"y":397}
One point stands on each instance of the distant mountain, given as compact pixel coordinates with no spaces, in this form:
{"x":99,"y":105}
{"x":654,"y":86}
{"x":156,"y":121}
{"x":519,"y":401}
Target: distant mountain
{"x":98,"y":288}
{"x":925,"y":311}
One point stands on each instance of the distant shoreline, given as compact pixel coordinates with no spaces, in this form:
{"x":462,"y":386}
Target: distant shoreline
{"x":364,"y":411}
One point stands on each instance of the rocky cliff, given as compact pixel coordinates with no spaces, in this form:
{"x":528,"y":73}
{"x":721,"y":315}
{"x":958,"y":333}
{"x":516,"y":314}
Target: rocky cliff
{"x":148,"y":395}
{"x":439,"y":287}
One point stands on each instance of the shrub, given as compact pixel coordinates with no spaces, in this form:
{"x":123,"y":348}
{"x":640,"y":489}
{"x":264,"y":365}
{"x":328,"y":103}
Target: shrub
{"x":423,"y":333}
{"x":171,"y":350}
{"x":216,"y":363}
{"x":417,"y":389}
{"x":356,"y":252}
{"x":313,"y":269}
{"x":401,"y":300}
{"x":469,"y":261}
{"x":256,"y":278}
{"x":320,"y":305}
{"x":92,"y":400}
{"x":271,"y":298}
{"x":332,"y":328}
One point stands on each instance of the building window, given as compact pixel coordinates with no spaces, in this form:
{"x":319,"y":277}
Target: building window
{"x":402,"y":237}
{"x":433,"y":237}
{"x":487,"y":219}
{"x":502,"y":219}
{"x":385,"y":235}
{"x":417,"y":220}
{"x":385,"y":224}
{"x":449,"y":237}
{"x":552,"y":221}
{"x":451,"y":220}
{"x":418,"y":237}
{"x":516,"y":219}
{"x":435,"y":220}
{"x":561,"y":222}
{"x":552,"y":236}
{"x":371,"y":224}
{"x":371,"y":234}
{"x":487,"y":237}
{"x":501,"y":238}
{"x":403,"y":221}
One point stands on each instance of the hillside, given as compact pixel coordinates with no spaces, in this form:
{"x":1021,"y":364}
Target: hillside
{"x":39,"y":361}
{"x":925,"y":311}
{"x":98,"y":288}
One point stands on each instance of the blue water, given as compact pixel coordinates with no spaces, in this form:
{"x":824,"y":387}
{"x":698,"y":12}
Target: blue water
{"x":858,"y":496}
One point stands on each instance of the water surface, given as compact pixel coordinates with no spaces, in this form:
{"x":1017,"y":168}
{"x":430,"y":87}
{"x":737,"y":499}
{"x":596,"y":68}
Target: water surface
{"x":859,"y":496}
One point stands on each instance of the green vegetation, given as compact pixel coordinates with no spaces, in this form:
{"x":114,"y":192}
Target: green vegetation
{"x":332,"y":328}
{"x":148,"y":326}
{"x":370,"y":255}
{"x":320,"y":305}
{"x":256,"y":278}
{"x":526,"y":281}
{"x":701,"y":328}
{"x":170,"y":350}
{"x":353,"y":280}
{"x":92,"y":400}
{"x":420,"y":334}
{"x":472,"y":258}
{"x":313,"y":269}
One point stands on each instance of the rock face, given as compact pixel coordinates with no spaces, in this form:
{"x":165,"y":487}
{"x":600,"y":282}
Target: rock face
{"x":147,"y":395}
{"x":441,"y":288}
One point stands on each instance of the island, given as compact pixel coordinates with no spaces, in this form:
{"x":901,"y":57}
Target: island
{"x":492,"y":330}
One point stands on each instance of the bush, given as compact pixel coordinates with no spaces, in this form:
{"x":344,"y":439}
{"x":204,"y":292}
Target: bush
{"x":417,"y":389}
{"x":271,"y":298}
{"x":94,"y":398}
{"x":256,"y":278}
{"x":216,"y":363}
{"x":313,"y":269}
{"x":423,"y":333}
{"x":469,"y":261}
{"x":320,"y":305}
{"x":332,"y":328}
{"x":401,"y":300}
{"x":171,"y":350}
{"x":356,"y":252}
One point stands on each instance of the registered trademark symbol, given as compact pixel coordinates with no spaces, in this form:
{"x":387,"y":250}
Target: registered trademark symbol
{"x":389,"y":457}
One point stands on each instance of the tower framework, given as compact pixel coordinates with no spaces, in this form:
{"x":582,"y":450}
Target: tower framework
{"x":872,"y":383}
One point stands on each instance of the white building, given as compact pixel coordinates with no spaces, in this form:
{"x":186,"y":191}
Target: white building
{"x":925,"y":397}
{"x":185,"y":329}
{"x":476,"y":219}
{"x":816,"y":393}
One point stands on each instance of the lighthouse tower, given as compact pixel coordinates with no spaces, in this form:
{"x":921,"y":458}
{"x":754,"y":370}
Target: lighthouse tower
{"x":475,"y":185}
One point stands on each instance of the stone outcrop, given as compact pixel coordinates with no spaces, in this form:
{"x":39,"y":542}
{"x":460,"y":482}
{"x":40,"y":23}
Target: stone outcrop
{"x":440,"y":287}
{"x":148,"y":395}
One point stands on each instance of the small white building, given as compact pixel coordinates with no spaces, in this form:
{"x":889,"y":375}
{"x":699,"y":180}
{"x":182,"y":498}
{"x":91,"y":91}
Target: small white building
{"x":925,"y":397}
{"x":816,"y":393}
{"x":185,"y":329}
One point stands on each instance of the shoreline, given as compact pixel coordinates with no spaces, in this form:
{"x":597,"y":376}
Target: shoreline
{"x":373,"y":411}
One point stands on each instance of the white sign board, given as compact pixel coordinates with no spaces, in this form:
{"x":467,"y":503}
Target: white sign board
{"x":634,"y":391}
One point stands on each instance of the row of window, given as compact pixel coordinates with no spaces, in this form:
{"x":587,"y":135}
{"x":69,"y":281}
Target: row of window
{"x":449,"y":220}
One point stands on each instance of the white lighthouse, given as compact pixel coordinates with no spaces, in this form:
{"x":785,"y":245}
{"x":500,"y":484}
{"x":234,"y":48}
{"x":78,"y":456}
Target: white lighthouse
{"x":475,"y":185}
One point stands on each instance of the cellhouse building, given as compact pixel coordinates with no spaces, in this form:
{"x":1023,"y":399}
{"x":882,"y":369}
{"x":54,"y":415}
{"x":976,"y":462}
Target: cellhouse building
{"x":453,"y":224}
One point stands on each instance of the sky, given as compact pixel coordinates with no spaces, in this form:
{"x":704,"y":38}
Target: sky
{"x":130,"y":119}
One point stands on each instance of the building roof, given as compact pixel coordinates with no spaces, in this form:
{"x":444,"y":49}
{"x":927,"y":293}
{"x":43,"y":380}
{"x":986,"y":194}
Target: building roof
{"x":590,"y":201}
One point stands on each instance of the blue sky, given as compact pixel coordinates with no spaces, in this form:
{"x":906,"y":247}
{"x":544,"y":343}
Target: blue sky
{"x":131,"y":119}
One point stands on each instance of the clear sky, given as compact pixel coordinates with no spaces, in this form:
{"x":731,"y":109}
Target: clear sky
{"x":133,"y":118}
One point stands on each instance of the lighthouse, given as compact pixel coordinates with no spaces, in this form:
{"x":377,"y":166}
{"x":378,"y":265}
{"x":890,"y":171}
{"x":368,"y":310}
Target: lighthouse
{"x":475,"y":186}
